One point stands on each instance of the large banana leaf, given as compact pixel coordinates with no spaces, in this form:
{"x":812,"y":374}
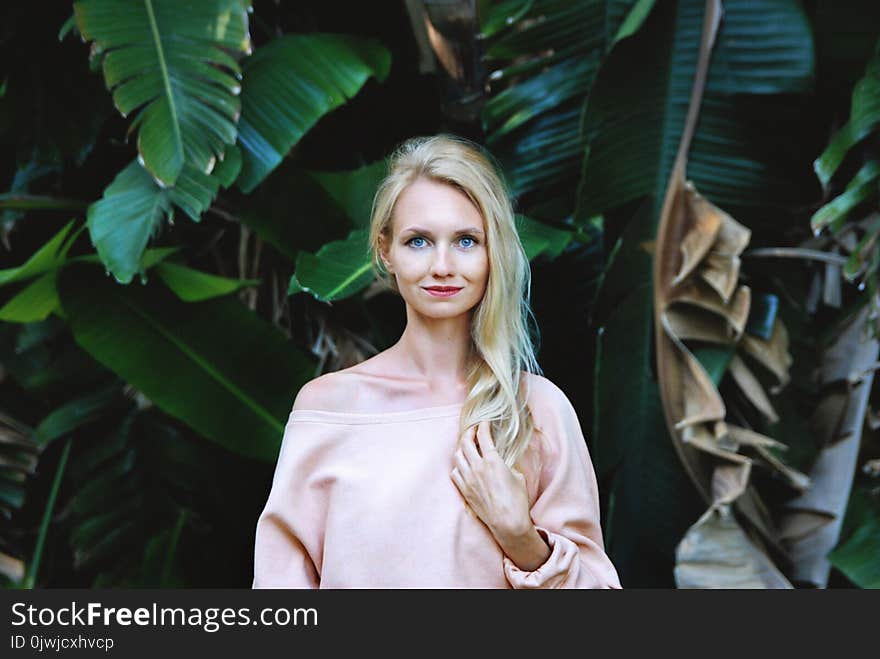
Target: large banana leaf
{"x":353,"y":191}
{"x":284,"y":208}
{"x":292,"y":82}
{"x":532,"y":122}
{"x":233,"y":386}
{"x":170,"y":62}
{"x":733,"y":160}
{"x":124,"y":506}
{"x":132,"y":208}
{"x":633,"y":145}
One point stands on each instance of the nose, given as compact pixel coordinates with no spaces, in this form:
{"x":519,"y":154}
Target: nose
{"x":441,"y":264}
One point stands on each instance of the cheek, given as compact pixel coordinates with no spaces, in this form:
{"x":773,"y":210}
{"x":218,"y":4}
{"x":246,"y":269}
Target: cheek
{"x":481,"y":268}
{"x":411,"y":268}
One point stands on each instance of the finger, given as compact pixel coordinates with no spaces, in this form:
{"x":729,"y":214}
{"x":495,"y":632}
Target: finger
{"x":484,"y":438}
{"x":469,"y":447}
{"x":459,"y":483}
{"x":469,"y":435}
{"x":460,"y":461}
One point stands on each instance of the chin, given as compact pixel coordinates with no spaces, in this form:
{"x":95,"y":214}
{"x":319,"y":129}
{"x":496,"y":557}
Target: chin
{"x":441,"y":311}
{"x":440,"y":314}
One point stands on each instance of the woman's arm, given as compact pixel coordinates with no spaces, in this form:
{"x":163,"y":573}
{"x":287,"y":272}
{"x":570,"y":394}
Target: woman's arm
{"x":292,"y":521}
{"x":566,"y":511}
{"x":280,"y":560}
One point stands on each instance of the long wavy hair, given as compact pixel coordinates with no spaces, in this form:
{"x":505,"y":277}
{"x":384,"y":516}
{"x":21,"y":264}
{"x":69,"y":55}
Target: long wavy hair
{"x":501,"y":343}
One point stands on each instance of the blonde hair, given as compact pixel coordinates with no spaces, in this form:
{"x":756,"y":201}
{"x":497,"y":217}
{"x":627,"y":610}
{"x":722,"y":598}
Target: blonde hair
{"x":501,"y":345}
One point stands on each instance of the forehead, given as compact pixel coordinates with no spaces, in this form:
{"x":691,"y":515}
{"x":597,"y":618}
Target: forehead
{"x":435,"y":206}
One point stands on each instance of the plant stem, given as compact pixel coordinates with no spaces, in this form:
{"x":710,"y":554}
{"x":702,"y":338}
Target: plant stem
{"x":31,"y":576}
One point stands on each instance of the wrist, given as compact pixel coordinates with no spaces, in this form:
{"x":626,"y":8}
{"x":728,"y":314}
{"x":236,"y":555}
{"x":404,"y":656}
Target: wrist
{"x":527,"y":549}
{"x":515,"y":534}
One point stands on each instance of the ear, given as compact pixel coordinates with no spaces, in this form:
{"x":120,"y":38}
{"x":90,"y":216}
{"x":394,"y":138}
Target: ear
{"x":383,"y":252}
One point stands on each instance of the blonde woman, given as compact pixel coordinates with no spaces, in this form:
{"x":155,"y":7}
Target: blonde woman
{"x":446,"y":461}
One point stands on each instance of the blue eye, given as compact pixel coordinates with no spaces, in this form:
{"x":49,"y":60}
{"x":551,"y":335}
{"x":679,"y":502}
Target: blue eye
{"x":471,"y":239}
{"x":412,"y":240}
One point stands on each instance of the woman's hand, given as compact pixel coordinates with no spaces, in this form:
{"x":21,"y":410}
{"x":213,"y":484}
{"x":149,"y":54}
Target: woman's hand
{"x":499,"y":498}
{"x":496,"y":494}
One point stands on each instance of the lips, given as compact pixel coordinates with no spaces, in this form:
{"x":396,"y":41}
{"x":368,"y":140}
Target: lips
{"x":442,"y":291}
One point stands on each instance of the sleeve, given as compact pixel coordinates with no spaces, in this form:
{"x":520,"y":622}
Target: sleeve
{"x":566,"y":510}
{"x":290,"y":524}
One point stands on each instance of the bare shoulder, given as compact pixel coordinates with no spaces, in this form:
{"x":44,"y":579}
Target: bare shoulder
{"x":326,"y":392}
{"x":342,"y":390}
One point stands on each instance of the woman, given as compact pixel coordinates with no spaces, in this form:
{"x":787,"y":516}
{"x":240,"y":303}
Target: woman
{"x":445,"y":461}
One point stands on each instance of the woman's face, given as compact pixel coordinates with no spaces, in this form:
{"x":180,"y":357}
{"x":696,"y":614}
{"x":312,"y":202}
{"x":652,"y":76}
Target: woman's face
{"x":438,"y":239}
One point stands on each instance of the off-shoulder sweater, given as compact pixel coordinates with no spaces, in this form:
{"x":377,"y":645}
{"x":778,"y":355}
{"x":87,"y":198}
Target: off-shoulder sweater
{"x":365,"y":500}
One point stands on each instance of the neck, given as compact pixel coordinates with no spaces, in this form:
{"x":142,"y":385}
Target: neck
{"x":436,"y":349}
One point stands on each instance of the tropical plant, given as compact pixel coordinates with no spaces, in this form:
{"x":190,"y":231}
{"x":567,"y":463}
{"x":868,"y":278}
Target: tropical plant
{"x":204,"y":106}
{"x":659,"y":153}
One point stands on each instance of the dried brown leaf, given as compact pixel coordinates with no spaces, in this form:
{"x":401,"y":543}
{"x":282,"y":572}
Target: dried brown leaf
{"x":752,"y":388}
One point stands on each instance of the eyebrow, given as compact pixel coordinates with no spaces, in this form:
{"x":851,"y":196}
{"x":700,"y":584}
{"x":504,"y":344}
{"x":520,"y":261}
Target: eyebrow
{"x":429,"y":233}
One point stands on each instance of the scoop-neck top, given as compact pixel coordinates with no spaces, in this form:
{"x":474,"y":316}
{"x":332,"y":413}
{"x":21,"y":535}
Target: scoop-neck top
{"x":416,"y":414}
{"x":366,"y":500}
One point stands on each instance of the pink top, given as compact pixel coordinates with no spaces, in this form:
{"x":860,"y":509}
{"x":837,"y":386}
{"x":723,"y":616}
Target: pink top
{"x":366,"y":501}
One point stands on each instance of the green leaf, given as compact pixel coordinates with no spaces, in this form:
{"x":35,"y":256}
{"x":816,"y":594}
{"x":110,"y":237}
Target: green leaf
{"x":34,"y":566}
{"x":169,"y":61}
{"x":732,"y":161}
{"x":533,"y":122}
{"x":228,"y":169}
{"x":121,"y":223}
{"x":77,"y":413}
{"x":234,"y":386}
{"x":66,"y":27}
{"x":860,"y":188}
{"x":633,"y":21}
{"x":502,"y":15}
{"x":132,"y":208}
{"x":285,"y":208}
{"x":763,"y":47}
{"x":714,"y":359}
{"x":856,"y":554}
{"x":49,"y":257}
{"x":864,"y":118}
{"x":520,"y":103}
{"x":194,"y":286}
{"x":544,"y":152}
{"x":558,"y":25}
{"x":194,"y":192}
{"x":339,"y":269}
{"x":538,"y":238}
{"x":353,"y":191}
{"x":34,"y":303}
{"x":292,"y":82}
